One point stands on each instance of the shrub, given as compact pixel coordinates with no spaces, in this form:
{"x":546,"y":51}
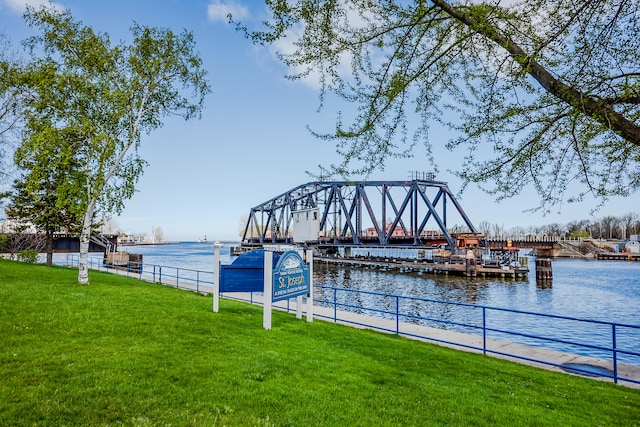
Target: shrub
{"x":28,"y":255}
{"x":4,"y":243}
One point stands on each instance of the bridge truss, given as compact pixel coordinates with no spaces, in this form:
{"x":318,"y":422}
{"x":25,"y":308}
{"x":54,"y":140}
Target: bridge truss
{"x":367,"y":213}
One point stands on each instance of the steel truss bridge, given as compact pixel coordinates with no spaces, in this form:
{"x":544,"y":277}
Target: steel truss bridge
{"x":403,"y":214}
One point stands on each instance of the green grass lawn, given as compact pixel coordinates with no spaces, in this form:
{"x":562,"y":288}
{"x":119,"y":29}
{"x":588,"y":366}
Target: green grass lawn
{"x":126,"y":352}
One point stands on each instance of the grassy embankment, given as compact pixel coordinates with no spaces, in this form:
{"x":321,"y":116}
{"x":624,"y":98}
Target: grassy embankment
{"x":125,"y":352}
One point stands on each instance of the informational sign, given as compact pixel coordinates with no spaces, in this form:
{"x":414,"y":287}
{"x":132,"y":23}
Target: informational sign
{"x":290,"y":277}
{"x":245,"y":273}
{"x":278,"y":277}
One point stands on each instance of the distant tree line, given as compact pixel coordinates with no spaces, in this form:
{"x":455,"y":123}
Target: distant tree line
{"x":608,"y":227}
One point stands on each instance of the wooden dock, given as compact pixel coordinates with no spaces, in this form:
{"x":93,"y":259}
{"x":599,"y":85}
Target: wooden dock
{"x":131,"y":262}
{"x":619,"y":256}
{"x":463,"y":267}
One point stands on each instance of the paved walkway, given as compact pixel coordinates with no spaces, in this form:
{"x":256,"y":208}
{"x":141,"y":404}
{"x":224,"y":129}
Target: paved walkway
{"x":528,"y":355}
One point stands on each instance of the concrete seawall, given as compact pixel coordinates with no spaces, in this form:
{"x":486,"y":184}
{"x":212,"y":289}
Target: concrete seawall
{"x":588,"y":249}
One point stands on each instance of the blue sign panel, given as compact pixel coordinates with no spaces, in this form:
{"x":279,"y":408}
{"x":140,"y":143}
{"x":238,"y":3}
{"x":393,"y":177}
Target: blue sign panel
{"x":290,"y":277}
{"x":245,"y":273}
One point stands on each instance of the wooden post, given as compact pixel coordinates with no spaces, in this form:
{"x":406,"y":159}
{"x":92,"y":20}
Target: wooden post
{"x":470,"y":267}
{"x":544,"y":270}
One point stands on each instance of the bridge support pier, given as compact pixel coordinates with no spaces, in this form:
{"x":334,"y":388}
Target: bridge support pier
{"x":544,"y":270}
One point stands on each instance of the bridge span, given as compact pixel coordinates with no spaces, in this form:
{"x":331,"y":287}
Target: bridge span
{"x":529,"y":242}
{"x":417,"y":213}
{"x":335,"y":217}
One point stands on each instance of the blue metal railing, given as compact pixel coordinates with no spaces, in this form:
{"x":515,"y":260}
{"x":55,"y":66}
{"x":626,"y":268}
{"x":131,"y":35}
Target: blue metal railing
{"x":181,"y":278}
{"x":608,"y":340}
{"x":340,"y":300}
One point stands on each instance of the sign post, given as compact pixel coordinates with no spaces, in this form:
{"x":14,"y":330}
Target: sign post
{"x":309,"y":262}
{"x":268,"y":290}
{"x":299,"y":297}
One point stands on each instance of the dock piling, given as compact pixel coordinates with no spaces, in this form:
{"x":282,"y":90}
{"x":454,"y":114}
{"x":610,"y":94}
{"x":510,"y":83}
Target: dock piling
{"x":544,"y":270}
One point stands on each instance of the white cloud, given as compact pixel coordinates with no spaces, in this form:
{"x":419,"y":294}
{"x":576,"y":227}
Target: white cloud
{"x":286,"y":45}
{"x":19,"y":6}
{"x":218,"y":10}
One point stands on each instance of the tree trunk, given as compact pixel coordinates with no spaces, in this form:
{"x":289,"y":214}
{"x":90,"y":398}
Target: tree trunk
{"x":49,"y":248}
{"x":85,"y":236}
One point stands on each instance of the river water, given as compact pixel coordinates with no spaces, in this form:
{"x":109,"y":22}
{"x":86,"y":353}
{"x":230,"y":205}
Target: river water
{"x":606,"y":291}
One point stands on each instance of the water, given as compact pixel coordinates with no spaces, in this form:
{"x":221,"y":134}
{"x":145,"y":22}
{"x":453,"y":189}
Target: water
{"x":599,"y":290}
{"x":606,"y":291}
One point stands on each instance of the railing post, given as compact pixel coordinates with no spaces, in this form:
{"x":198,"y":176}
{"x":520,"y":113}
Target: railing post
{"x":335,"y":305}
{"x":397,"y":314}
{"x":615,"y":353}
{"x":197,"y":280}
{"x":154,"y":273}
{"x":177,"y":276}
{"x":484,"y":330}
{"x":160,"y":268}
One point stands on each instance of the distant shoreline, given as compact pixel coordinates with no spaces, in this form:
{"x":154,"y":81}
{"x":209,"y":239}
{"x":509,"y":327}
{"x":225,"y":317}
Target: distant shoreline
{"x":149,"y":244}
{"x":174,"y":243}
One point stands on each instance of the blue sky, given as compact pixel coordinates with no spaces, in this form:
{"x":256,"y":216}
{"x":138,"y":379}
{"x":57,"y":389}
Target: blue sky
{"x":252,"y":142}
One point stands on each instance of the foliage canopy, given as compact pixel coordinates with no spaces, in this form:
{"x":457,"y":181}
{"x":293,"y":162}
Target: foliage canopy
{"x":98,"y":100}
{"x":551,"y":88}
{"x":46,"y":195}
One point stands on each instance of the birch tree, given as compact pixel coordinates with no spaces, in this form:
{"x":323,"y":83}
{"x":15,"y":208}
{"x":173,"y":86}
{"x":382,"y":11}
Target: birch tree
{"x":10,"y":103}
{"x":103,"y":99}
{"x":539,"y":92}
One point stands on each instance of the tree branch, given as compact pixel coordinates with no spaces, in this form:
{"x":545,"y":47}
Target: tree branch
{"x":589,"y":105}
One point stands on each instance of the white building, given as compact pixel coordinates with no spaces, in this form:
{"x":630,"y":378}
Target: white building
{"x":306,"y":225}
{"x":633,"y":245}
